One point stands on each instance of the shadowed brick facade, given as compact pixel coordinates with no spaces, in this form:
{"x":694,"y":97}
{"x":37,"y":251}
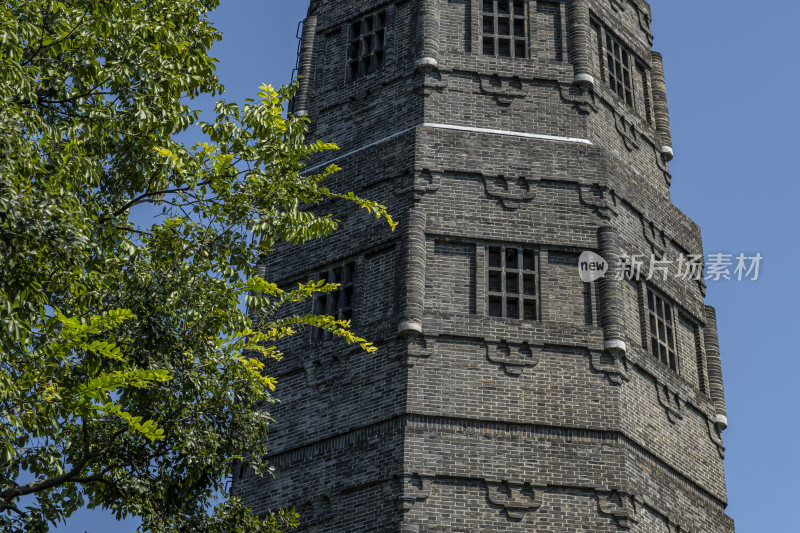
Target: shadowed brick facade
{"x":507,"y":137}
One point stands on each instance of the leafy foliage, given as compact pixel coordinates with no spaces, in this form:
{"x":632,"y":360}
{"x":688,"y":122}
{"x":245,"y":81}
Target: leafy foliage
{"x":130,"y":376}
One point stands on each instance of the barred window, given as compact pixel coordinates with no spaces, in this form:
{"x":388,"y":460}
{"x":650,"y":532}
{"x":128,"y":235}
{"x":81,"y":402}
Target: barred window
{"x":619,"y":69}
{"x":339,"y":303}
{"x":505,"y":28}
{"x":662,"y":329}
{"x":365,"y":51}
{"x":513,"y":283}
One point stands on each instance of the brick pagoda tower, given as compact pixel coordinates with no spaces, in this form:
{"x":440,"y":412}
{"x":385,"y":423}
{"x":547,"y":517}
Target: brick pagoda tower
{"x":508,"y":137}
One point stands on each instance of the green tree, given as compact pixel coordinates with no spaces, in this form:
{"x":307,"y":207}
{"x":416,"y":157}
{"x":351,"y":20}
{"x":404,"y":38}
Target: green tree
{"x":130,"y":377}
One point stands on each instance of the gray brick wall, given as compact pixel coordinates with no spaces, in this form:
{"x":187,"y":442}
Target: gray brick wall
{"x":477,"y":423}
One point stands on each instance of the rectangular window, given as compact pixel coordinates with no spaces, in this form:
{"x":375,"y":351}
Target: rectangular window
{"x":513,"y":283}
{"x":701,"y":363}
{"x":365,"y":50}
{"x":338,"y":303}
{"x":599,"y":58}
{"x":619,"y":69}
{"x":505,"y":28}
{"x":642,"y":71}
{"x":662,"y":329}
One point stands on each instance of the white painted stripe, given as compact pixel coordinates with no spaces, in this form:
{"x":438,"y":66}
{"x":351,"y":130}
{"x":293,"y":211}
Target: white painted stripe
{"x":454,"y":127}
{"x":508,"y":133}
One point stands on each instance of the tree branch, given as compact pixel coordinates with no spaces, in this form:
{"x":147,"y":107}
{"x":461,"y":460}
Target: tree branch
{"x":91,"y":92}
{"x":11,"y":507}
{"x":101,"y":479}
{"x":42,"y":46}
{"x":7,"y":496}
{"x":147,"y":196}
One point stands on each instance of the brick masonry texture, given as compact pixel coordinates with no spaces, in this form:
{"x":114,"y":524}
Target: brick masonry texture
{"x":466,"y":422}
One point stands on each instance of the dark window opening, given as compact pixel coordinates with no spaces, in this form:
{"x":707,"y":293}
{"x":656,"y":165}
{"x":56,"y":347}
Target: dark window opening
{"x":513,"y":283}
{"x":619,"y":69}
{"x":505,"y":28}
{"x":645,"y":92}
{"x":588,"y":314}
{"x":596,"y":29}
{"x":662,"y":330}
{"x":701,"y":363}
{"x":365,"y":50}
{"x":337,"y":303}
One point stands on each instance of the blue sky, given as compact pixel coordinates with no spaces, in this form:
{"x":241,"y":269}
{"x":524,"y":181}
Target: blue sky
{"x":731,"y":78}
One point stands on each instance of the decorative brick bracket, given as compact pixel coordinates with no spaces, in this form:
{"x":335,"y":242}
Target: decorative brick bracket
{"x":600,"y":198}
{"x":644,"y":24}
{"x":317,"y":511}
{"x":654,"y":236}
{"x":407,"y":490}
{"x":514,"y":358}
{"x":421,"y":182}
{"x":433,"y":81}
{"x":716,"y":438}
{"x":676,"y":528}
{"x":613,"y":366}
{"x":658,"y":240}
{"x":627,"y":131}
{"x":516,"y":499}
{"x":358,"y":110}
{"x":420,"y":347}
{"x":619,"y":505}
{"x":511,"y":192}
{"x":671,"y":403}
{"x":663,"y":167}
{"x":504,"y":92}
{"x":617,"y":5}
{"x":583,"y":101}
{"x":323,"y":373}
